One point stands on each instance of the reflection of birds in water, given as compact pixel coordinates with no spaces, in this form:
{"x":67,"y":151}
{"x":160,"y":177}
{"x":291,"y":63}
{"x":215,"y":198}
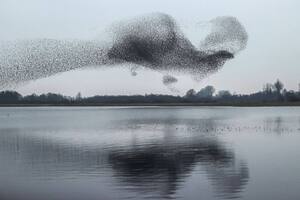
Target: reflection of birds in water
{"x":161,"y":168}
{"x":228,"y":180}
{"x":156,"y":168}
{"x":162,"y":165}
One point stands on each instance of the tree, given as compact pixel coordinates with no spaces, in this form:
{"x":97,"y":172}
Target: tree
{"x":206,"y":92}
{"x":10,"y":97}
{"x":278,"y":86}
{"x":224,"y":93}
{"x":78,"y":96}
{"x":268,"y":88}
{"x":291,"y":96}
{"x":190,"y":93}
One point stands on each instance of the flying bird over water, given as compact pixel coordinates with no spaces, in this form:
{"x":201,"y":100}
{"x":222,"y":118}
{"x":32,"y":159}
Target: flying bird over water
{"x":153,"y":41}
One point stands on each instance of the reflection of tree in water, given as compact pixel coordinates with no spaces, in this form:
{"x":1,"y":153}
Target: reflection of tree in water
{"x":274,"y":124}
{"x":163,"y":165}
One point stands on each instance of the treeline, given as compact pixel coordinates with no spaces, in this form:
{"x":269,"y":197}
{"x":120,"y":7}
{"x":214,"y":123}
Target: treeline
{"x":271,"y":93}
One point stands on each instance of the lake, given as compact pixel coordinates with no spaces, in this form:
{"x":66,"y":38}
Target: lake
{"x":138,"y":153}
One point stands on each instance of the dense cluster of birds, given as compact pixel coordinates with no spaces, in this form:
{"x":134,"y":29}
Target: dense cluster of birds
{"x":153,"y":41}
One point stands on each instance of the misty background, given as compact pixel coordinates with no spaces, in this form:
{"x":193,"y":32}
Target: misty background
{"x":272,"y":51}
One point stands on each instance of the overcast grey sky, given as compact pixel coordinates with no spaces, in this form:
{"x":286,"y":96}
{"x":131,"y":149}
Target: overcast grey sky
{"x":273,"y":48}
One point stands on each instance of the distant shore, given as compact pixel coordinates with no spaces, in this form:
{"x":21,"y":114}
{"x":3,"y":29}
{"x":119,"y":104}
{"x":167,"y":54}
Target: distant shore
{"x":266,"y":104}
{"x":271,"y":95}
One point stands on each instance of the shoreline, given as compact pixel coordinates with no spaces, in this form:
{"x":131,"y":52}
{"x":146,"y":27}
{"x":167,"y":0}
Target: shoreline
{"x":270,"y":104}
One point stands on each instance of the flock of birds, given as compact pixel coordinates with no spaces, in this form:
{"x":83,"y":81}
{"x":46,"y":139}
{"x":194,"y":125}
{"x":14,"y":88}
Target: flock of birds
{"x":154,"y":41}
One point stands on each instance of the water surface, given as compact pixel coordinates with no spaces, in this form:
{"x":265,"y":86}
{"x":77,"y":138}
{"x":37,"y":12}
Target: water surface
{"x":150,"y":153}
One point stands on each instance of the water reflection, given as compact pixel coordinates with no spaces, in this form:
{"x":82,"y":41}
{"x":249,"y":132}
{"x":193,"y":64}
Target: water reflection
{"x":154,"y":161}
{"x":274,"y":125}
{"x":162,"y":166}
{"x":156,"y":153}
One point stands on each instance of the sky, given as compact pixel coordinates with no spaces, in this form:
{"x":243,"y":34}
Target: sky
{"x":272,"y":52}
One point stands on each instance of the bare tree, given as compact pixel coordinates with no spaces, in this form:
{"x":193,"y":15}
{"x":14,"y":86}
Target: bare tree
{"x":268,"y":88}
{"x":78,"y":96}
{"x":278,"y":86}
